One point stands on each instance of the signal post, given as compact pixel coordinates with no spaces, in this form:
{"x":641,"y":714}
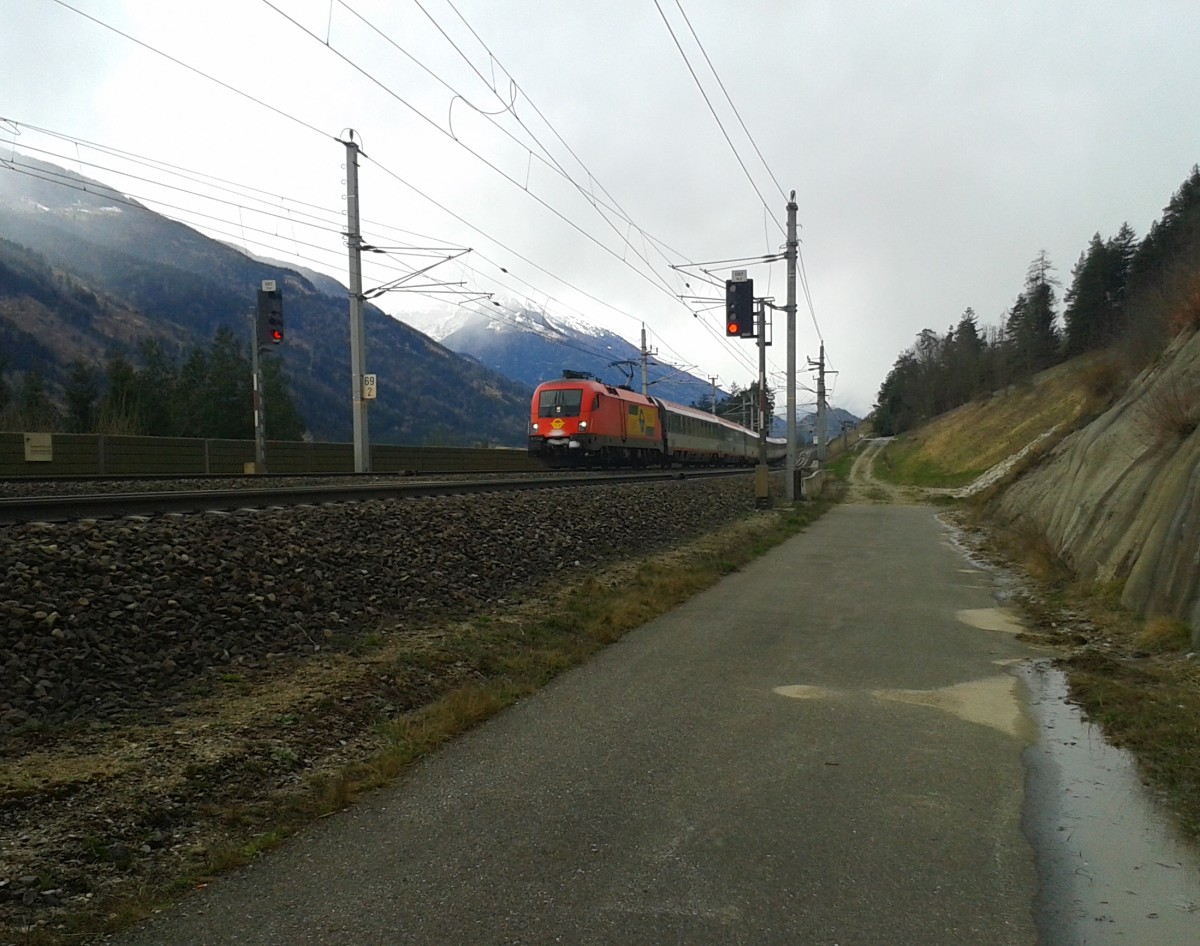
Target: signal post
{"x":743,"y":321}
{"x":267,"y":331}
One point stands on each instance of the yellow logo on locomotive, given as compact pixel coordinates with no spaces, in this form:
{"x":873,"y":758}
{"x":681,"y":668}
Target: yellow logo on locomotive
{"x":557,"y":423}
{"x":645,"y":419}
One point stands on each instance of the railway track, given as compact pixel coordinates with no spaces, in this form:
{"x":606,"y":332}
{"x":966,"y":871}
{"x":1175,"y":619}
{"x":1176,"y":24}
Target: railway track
{"x":150,"y":501}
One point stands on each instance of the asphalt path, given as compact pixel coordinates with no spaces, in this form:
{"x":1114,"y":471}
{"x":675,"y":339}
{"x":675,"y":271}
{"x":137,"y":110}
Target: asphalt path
{"x":825,"y":748}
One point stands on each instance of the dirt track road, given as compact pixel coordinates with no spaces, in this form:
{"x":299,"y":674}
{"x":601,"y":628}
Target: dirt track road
{"x":865,"y":489}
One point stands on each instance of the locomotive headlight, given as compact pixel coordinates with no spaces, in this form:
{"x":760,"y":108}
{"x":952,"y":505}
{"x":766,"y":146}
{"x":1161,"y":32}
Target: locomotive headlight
{"x":583,"y":425}
{"x":533,"y":428}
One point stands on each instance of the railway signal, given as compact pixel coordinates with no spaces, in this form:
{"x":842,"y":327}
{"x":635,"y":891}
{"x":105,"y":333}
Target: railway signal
{"x":739,"y":306}
{"x":266,"y":325}
{"x":269,"y":315}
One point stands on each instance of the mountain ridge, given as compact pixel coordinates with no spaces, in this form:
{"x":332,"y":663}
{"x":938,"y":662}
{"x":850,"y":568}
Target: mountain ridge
{"x":170,"y":282}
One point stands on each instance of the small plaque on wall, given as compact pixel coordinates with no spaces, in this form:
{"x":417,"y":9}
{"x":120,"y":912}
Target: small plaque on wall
{"x":39,"y":448}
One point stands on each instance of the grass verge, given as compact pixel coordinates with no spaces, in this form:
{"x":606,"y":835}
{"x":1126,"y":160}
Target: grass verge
{"x":905,"y":462}
{"x":1151,"y":708}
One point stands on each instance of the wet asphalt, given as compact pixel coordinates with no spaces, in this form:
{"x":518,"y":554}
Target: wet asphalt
{"x":825,"y":748}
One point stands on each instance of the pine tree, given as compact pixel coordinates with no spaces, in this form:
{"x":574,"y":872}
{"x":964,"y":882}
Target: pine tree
{"x":119,"y":407}
{"x":191,"y":390}
{"x":1030,"y":326}
{"x":1095,"y":302}
{"x":965,"y":348}
{"x":5,"y":390}
{"x":1085,"y":313}
{"x":33,"y":404}
{"x":154,"y":390}
{"x":228,"y":405}
{"x":283,"y":420}
{"x":82,"y":391}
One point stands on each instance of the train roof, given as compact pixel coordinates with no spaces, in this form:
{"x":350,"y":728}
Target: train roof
{"x":587,"y":384}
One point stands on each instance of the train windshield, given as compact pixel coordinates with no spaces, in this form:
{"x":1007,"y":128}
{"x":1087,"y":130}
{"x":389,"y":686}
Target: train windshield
{"x":560,"y":402}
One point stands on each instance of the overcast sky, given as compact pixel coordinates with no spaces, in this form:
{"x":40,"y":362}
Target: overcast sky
{"x":935,"y":146}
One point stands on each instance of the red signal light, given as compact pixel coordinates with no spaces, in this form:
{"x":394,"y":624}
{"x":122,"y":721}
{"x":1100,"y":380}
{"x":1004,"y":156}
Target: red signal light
{"x":733,"y":330}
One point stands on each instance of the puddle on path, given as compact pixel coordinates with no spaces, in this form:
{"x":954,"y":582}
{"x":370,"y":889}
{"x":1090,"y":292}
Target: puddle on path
{"x":993,"y":701}
{"x":991,"y":619}
{"x":801,"y":691}
{"x":1112,"y":867}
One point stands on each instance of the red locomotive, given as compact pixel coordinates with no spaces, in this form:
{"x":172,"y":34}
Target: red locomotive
{"x":576,"y":421}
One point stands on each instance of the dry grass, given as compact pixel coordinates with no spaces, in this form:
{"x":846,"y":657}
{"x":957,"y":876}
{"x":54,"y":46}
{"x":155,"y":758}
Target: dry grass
{"x":1103,"y":380}
{"x":1151,"y":708}
{"x":1172,"y":410}
{"x":1163,"y":635}
{"x":975,"y":437}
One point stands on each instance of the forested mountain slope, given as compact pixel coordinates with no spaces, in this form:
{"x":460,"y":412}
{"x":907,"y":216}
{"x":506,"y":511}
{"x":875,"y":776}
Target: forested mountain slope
{"x":88,"y":277}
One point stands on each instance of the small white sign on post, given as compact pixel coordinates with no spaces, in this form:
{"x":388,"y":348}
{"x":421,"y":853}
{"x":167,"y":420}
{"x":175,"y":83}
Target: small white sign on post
{"x":39,"y":448}
{"x":370,"y":387}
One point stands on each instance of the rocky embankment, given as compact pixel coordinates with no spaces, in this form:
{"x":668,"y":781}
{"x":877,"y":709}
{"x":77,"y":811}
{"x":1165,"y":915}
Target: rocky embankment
{"x":1119,"y":500}
{"x":100,"y":618}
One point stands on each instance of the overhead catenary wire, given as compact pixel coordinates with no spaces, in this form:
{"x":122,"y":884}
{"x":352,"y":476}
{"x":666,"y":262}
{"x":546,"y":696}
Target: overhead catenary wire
{"x":311,"y":127}
{"x":803,"y":277}
{"x":395,"y":176}
{"x":137,"y":202}
{"x":210,"y":223}
{"x":659,"y":284}
{"x":556,"y":164}
{"x":179,"y":62}
{"x":716,"y":117}
{"x":588,"y":193}
{"x":329,"y":223}
{"x":717,"y":76}
{"x":658,"y":244}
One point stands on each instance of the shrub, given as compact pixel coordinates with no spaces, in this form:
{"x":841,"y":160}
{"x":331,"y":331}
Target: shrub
{"x":1163,"y":635}
{"x":1172,"y":410}
{"x":1103,"y":380}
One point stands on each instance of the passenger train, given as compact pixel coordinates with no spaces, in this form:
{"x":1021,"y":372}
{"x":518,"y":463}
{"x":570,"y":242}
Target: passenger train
{"x":583,"y":422}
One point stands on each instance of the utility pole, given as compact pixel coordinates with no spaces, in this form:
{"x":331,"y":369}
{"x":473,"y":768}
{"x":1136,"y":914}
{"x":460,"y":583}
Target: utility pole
{"x":762,"y":482}
{"x":358,"y":356}
{"x":713,"y":380}
{"x":266,"y":331}
{"x":260,"y":425}
{"x":646,"y":354}
{"x":793,"y":246}
{"x":820,"y":432}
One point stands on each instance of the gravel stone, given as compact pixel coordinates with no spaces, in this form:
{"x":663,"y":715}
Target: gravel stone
{"x":102,"y":617}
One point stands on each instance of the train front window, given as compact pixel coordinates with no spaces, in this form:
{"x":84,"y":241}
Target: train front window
{"x":561,"y":402}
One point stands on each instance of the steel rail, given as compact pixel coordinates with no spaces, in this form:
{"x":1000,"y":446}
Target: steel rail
{"x":112,"y":505}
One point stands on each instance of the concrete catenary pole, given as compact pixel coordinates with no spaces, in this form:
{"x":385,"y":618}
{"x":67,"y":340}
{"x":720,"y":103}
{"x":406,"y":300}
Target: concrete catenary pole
{"x":793,"y":245}
{"x":764,"y":422}
{"x":645,"y":358}
{"x":821,"y":433}
{"x":358,"y":354}
{"x":260,"y":413}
